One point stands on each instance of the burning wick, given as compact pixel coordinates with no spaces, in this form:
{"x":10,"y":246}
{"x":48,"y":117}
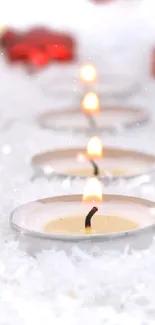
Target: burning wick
{"x":89,"y":217}
{"x":90,"y":106}
{"x":92,"y":193}
{"x":92,"y":122}
{"x":94,"y":151}
{"x":96,"y":169}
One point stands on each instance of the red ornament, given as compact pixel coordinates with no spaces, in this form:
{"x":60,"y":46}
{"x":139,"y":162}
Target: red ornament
{"x":8,"y":37}
{"x":58,"y":52}
{"x":18,"y":52}
{"x":38,"y":46}
{"x":38,"y":58}
{"x":39,"y":37}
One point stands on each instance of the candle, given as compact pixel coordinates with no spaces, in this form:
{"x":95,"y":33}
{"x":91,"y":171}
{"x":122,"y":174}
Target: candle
{"x":88,"y":74}
{"x":113,"y":162}
{"x":90,"y":105}
{"x":63,"y":219}
{"x":111,"y":118}
{"x":94,"y":151}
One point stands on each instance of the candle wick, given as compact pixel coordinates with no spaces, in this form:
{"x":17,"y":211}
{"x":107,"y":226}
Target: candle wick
{"x":89,"y":216}
{"x":91,"y":121}
{"x":96,"y":169}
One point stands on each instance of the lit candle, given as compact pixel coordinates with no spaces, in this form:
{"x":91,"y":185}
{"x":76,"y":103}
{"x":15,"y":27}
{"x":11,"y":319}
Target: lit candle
{"x":88,"y":74}
{"x":94,"y":151}
{"x":111,"y":162}
{"x":90,"y":106}
{"x":111,"y":119}
{"x":86,"y":224}
{"x":77,"y":218}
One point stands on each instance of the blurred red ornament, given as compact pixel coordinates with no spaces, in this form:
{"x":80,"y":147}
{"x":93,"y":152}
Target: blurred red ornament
{"x":59,"y":52}
{"x":38,"y":58}
{"x":8,"y":37}
{"x":38,"y":46}
{"x":18,"y":52}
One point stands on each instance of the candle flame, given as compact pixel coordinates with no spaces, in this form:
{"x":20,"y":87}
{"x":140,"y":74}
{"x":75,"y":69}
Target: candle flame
{"x":92,"y":191}
{"x":94,"y":148}
{"x":91,"y":103}
{"x":88,"y":73}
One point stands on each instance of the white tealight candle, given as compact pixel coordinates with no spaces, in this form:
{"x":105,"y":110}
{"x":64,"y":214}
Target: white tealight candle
{"x":109,"y":119}
{"x":127,"y":219}
{"x":115,"y":162}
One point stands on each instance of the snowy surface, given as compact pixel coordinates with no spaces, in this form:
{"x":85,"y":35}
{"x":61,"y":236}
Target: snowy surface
{"x":53,"y":287}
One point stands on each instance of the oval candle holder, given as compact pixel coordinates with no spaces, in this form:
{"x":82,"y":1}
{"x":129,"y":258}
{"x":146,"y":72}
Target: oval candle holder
{"x":110,"y":119}
{"x":120,"y":220}
{"x":56,"y":84}
{"x":115,"y":164}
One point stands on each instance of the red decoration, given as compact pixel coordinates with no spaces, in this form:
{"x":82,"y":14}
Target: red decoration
{"x":38,"y":46}
{"x":8,"y":37}
{"x":18,"y":52}
{"x":38,"y":57}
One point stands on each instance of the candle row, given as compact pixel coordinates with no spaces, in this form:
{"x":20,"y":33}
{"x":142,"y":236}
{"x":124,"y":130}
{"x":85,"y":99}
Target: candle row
{"x":90,"y":106}
{"x":90,"y":215}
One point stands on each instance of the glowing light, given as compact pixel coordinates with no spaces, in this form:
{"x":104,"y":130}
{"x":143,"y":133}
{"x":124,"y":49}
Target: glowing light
{"x":91,"y":103}
{"x":92,"y":191}
{"x":88,"y":73}
{"x":94,"y":148}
